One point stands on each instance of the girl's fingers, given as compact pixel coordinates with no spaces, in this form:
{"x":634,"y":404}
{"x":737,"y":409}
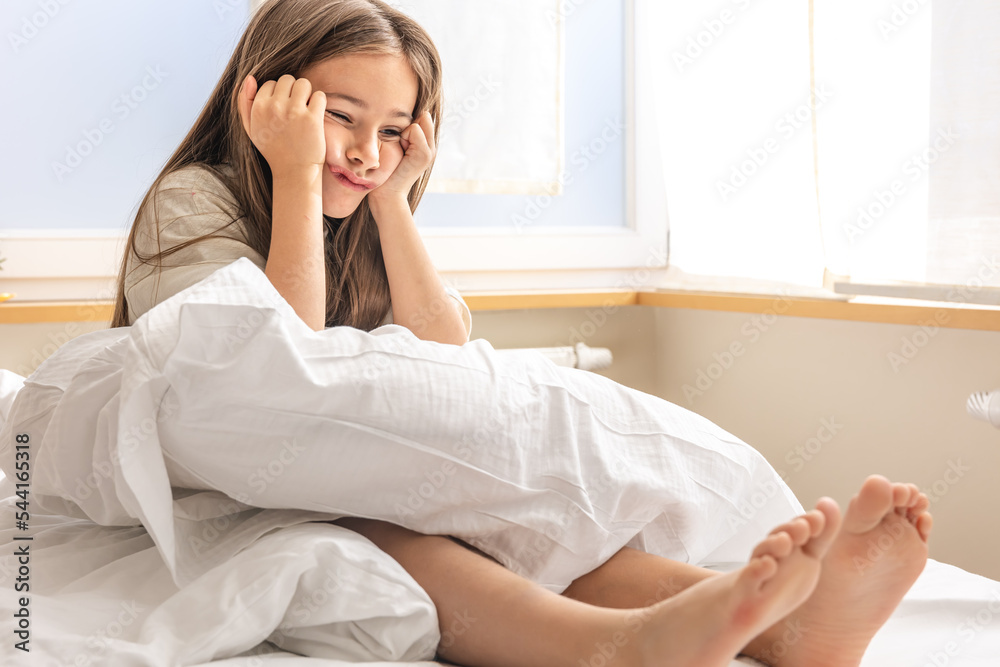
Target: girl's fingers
{"x":427,"y":124}
{"x":317,"y":104}
{"x":301,"y":91}
{"x":408,"y":137}
{"x":418,"y":135}
{"x":266,"y":90}
{"x":284,"y":120}
{"x":283,"y":89}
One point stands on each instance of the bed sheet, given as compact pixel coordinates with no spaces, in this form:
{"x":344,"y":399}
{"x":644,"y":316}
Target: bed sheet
{"x":105,"y":597}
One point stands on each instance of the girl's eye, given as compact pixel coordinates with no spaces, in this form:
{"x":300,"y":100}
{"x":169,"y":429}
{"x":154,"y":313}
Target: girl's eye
{"x":392,"y":133}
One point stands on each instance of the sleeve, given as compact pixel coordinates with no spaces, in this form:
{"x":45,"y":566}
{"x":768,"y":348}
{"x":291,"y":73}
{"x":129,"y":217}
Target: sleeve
{"x":466,"y":313}
{"x":453,"y":293}
{"x":189,"y":203}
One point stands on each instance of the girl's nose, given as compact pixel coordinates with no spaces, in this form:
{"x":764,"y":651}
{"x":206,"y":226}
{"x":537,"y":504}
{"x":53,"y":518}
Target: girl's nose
{"x":364,"y":151}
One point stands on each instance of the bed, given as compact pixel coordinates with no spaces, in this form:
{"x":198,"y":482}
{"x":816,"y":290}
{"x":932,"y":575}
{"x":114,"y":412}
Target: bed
{"x":149,"y":548}
{"x":104,"y":597}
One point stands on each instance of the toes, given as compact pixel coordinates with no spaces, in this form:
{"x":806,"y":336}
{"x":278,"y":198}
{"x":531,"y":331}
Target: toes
{"x":913,"y":505}
{"x":762,"y":568}
{"x":920,"y":506}
{"x":778,"y":545}
{"x":816,"y":521}
{"x":905,"y":502}
{"x":924,"y":524}
{"x":798,"y":529}
{"x":867,"y":509}
{"x":821,"y":541}
{"x":901,"y":495}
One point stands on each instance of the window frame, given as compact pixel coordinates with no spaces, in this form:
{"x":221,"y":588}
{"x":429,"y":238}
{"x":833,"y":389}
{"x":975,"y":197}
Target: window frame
{"x":643,"y":242}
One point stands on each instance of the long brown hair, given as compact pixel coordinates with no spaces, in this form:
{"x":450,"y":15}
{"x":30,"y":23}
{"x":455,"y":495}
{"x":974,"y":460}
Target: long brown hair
{"x":286,"y":37}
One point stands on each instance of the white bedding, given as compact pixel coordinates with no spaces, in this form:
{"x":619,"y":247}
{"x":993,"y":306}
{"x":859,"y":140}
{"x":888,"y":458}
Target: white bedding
{"x":109,"y":600}
{"x":138,"y":434}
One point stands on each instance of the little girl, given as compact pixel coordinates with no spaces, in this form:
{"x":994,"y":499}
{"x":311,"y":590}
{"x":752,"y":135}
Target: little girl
{"x":309,"y":159}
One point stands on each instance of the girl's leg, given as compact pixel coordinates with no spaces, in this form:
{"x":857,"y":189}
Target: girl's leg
{"x":892,"y":516}
{"x":484,"y":610}
{"x":490,"y":616}
{"x":633,"y":578}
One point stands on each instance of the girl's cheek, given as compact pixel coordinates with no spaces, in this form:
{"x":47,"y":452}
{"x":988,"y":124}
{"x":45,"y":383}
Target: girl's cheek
{"x":392,"y":154}
{"x":334,"y":142}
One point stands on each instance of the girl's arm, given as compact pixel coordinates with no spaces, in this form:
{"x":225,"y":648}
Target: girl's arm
{"x":419,"y":301}
{"x":295,"y":262}
{"x":284,"y":119}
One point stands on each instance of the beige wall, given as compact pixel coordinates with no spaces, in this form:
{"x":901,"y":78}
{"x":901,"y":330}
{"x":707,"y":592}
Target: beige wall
{"x":908,"y":423}
{"x":24,"y":346}
{"x":792,"y":374}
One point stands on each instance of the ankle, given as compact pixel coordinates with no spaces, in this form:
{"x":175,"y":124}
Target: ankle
{"x":614,"y":639}
{"x":769,"y":646}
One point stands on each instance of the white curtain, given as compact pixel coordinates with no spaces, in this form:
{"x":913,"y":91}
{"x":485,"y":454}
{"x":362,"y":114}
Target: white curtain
{"x":888,"y":172}
{"x":964,"y":215}
{"x":502,"y":131}
{"x":734,"y":109}
{"x":870,"y":141}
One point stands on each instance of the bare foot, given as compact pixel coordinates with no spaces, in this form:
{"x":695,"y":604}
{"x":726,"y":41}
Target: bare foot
{"x":708,"y":623}
{"x":879,"y":552}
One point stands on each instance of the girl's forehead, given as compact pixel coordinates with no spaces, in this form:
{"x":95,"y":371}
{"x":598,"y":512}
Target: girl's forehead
{"x":383,"y":81}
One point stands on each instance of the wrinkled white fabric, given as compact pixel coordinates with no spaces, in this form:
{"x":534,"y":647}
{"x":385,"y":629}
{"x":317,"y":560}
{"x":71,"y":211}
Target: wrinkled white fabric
{"x":223,"y":389}
{"x":10,"y":384}
{"x":102,"y":596}
{"x":214,"y":438}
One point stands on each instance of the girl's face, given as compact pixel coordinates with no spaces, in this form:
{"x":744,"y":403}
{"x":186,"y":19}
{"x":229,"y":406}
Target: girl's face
{"x":369,"y":102}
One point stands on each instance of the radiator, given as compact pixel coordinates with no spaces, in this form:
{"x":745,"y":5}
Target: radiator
{"x":985,"y":405}
{"x":577,"y":356}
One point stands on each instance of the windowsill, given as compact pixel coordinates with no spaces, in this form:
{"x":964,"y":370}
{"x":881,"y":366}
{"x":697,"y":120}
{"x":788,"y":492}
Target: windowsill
{"x":860,"y":309}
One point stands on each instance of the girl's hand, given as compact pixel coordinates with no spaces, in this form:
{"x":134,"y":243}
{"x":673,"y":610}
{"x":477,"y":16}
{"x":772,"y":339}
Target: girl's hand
{"x":417,"y":142}
{"x":284,"y":120}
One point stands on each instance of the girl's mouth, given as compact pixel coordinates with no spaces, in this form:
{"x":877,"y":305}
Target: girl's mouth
{"x":347,"y":183}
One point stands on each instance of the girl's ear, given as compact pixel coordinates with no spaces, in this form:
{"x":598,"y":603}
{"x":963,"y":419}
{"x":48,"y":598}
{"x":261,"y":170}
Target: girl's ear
{"x":248,"y":91}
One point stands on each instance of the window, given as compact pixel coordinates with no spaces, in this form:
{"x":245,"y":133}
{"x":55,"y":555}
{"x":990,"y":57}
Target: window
{"x":123,"y":95}
{"x":832,"y":143}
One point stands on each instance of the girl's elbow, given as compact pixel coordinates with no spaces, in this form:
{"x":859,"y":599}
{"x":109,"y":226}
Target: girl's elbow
{"x":457,"y":336}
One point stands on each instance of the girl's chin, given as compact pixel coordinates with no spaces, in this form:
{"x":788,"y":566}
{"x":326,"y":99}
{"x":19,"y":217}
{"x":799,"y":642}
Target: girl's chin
{"x":339,"y":214}
{"x":338,"y":202}
{"x":340,"y":210}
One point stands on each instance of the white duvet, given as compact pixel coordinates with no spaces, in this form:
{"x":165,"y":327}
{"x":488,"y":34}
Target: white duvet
{"x":181,"y":470}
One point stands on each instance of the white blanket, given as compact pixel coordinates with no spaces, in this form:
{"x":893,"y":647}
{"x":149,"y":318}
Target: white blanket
{"x":103,"y":596}
{"x":187,"y":460}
